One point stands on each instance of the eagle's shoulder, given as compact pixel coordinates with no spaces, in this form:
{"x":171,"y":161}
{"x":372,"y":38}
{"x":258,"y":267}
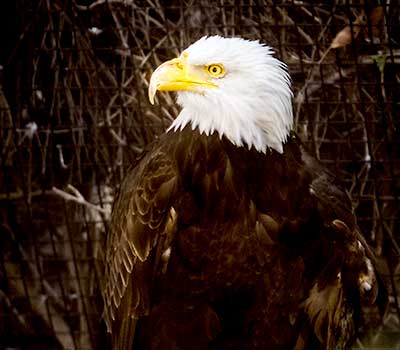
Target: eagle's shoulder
{"x":333,"y":200}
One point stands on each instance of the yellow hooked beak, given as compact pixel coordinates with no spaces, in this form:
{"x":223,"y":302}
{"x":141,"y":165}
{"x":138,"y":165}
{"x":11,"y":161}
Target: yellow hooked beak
{"x":177,"y":75}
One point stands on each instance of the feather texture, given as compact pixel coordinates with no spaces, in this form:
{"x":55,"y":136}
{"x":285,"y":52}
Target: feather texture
{"x":214,"y":246}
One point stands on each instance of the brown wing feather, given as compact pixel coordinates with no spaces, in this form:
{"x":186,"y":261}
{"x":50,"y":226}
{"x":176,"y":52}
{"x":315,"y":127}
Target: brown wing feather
{"x":331,"y":306}
{"x":334,"y":203}
{"x":141,"y":219}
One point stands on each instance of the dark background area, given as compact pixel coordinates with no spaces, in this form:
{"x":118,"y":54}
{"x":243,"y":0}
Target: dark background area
{"x":74,"y":115}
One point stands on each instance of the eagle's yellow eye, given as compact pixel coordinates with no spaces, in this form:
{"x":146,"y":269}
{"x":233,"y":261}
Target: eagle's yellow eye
{"x":216,"y":70}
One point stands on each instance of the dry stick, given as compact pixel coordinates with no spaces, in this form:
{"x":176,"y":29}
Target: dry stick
{"x":326,"y":12}
{"x":73,"y":267}
{"x":224,"y":24}
{"x":84,"y":337}
{"x":136,"y":95}
{"x":20,"y":194}
{"x":375,"y":218}
{"x":292,"y":22}
{"x":72,"y":111}
{"x":94,"y":115}
{"x":106,"y":199}
{"x":353,"y":185}
{"x":126,"y":100}
{"x":367,"y":166}
{"x":317,"y":143}
{"x":308,"y":13}
{"x":233,"y":21}
{"x":172,"y":29}
{"x":299,"y":99}
{"x":153,"y":53}
{"x":283,"y":32}
{"x":43,"y":150}
{"x":327,"y":24}
{"x":35,"y":62}
{"x":110,"y":118}
{"x":118,"y":138}
{"x":367,"y":155}
{"x":101,"y":2}
{"x":5,"y":108}
{"x":321,"y":35}
{"x":120,"y":30}
{"x":300,"y":96}
{"x":126,"y":84}
{"x":86,"y":46}
{"x":21,"y":319}
{"x":49,"y":290}
{"x":129,"y":99}
{"x":78,"y":198}
{"x":120,"y":141}
{"x":325,"y":128}
{"x":156,"y":46}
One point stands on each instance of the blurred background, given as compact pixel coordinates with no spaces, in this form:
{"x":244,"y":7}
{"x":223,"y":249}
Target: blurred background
{"x":74,"y":115}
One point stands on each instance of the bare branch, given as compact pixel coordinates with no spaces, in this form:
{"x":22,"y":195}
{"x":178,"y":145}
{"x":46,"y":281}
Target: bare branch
{"x":78,"y":198}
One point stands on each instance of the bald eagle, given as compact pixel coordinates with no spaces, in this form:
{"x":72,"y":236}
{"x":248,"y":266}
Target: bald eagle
{"x":227,"y":234}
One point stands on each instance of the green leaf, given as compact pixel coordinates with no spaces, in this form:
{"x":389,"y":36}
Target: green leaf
{"x":380,"y":61}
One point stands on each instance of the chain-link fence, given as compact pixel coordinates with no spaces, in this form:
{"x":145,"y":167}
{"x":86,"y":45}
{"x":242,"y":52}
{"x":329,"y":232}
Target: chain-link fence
{"x":74,"y":115}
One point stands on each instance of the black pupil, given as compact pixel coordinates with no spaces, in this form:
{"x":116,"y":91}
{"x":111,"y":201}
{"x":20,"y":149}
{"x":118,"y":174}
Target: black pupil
{"x":214,"y":69}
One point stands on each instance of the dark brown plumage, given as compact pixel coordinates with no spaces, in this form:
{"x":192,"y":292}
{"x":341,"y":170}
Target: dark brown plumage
{"x":215,"y":246}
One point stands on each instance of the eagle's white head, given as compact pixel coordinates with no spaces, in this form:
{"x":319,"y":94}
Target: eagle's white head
{"x":231,"y":86}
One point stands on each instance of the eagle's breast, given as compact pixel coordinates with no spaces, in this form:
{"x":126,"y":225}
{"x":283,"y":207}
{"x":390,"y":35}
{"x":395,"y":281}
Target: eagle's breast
{"x":228,"y":217}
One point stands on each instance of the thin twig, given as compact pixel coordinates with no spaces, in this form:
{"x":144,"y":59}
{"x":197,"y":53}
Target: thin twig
{"x":78,"y":198}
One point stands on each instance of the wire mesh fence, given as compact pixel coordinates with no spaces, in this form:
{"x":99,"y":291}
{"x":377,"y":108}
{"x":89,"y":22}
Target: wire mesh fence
{"x":74,"y":115}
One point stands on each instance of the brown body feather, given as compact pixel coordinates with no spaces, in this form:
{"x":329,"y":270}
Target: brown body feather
{"x":219,"y":247}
